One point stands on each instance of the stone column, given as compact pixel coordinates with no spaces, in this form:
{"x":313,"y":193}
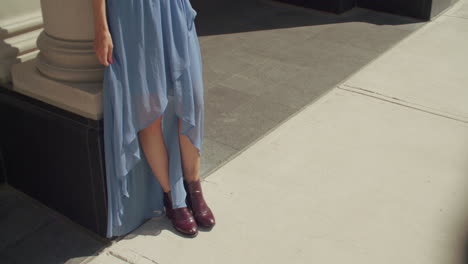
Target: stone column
{"x":66,"y":72}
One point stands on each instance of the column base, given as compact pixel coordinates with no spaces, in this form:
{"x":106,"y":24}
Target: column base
{"x":83,"y":99}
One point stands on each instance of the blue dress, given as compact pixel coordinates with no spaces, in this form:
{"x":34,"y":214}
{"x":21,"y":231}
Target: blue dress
{"x":157,"y":70}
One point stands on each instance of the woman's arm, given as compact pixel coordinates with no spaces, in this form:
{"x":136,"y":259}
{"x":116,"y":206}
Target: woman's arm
{"x":103,"y":45}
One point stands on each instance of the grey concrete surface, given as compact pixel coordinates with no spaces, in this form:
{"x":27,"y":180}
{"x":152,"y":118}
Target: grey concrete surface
{"x":264,"y":60}
{"x":436,"y":64}
{"x":356,"y":176}
{"x":460,"y":11}
{"x":378,"y":184}
{"x":33,"y":233}
{"x":263,"y":63}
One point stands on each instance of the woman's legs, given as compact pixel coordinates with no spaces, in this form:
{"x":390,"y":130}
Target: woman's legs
{"x":189,"y":155}
{"x":152,"y":142}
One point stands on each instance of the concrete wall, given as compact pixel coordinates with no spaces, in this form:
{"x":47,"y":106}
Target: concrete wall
{"x":423,"y":9}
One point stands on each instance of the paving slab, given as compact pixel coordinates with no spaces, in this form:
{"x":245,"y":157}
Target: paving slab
{"x":54,"y":243}
{"x":459,"y":10}
{"x":356,"y":175}
{"x":216,"y":154}
{"x":120,"y":256}
{"x":349,"y":177}
{"x":18,"y":217}
{"x":363,"y":34}
{"x":33,"y":233}
{"x":424,"y":71}
{"x":271,"y":58}
{"x":250,"y":120}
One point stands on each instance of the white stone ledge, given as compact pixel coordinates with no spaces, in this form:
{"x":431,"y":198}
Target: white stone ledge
{"x":84,"y":99}
{"x":20,"y":23}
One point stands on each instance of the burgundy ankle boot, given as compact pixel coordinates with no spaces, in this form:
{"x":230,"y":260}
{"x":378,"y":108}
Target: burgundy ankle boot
{"x":181,"y":218}
{"x":195,"y":201}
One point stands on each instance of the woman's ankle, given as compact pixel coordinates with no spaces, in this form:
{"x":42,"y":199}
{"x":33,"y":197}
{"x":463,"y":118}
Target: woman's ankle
{"x":192,"y":180}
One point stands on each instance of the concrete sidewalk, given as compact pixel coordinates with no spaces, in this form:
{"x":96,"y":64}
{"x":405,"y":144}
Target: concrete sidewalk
{"x":375,"y":171}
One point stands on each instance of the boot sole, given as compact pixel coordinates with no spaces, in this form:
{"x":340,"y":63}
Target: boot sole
{"x":185,"y":234}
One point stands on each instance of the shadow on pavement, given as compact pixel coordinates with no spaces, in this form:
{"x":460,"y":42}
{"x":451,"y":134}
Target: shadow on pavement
{"x":224,"y":17}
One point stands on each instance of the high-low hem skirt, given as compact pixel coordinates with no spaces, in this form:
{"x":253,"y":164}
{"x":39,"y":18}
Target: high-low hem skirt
{"x":157,"y":71}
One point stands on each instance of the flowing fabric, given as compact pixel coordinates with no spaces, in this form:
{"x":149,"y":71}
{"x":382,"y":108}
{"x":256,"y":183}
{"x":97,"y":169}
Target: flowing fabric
{"x":157,"y":70}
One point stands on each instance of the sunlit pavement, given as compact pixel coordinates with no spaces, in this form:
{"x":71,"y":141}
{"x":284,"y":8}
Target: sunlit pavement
{"x":374,"y":171}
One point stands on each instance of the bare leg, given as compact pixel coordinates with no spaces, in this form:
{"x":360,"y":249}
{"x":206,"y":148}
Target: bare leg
{"x":190,"y":157}
{"x":152,"y":141}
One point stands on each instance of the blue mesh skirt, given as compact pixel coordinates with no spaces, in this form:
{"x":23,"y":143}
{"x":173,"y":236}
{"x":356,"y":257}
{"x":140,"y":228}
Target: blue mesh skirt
{"x":157,"y":70}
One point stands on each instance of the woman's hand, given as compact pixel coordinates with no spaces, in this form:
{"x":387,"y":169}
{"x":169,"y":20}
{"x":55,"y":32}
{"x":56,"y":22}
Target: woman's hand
{"x":103,"y":47}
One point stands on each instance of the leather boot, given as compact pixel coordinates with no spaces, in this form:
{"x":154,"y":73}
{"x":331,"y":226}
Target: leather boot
{"x":195,"y":201}
{"x":181,"y":218}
